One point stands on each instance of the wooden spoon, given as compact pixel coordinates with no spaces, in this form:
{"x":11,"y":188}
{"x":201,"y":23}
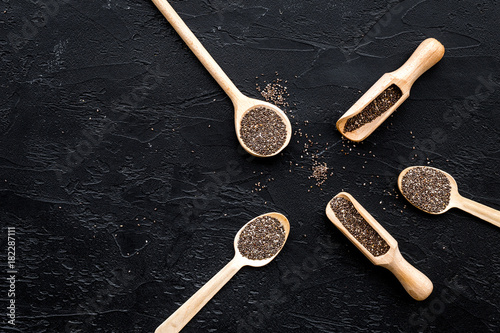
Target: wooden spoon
{"x":428,"y":53}
{"x":241,"y":103}
{"x":456,"y":200}
{"x":190,"y":308}
{"x":415,"y":282}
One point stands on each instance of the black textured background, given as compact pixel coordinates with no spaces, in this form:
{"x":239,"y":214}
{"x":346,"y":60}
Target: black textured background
{"x":120,"y":169}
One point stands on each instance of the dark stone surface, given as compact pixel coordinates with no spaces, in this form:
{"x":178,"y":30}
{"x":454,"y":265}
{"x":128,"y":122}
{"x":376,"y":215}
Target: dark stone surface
{"x":121,"y":172}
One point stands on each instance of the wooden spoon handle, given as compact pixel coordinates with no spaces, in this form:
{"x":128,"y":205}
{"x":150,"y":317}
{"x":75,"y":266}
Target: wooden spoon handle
{"x":483,"y":212}
{"x":416,"y":283}
{"x":190,"y":308}
{"x":201,"y":53}
{"x":427,"y":54}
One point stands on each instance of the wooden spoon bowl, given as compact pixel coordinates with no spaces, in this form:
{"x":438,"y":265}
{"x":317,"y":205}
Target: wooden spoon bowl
{"x":242,"y":105}
{"x":259,"y":263}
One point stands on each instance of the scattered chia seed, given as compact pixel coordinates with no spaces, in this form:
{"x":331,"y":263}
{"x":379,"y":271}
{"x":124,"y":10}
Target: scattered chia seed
{"x":263,"y":131}
{"x":376,"y":108}
{"x":274,"y":92}
{"x":358,"y":227}
{"x":427,"y":189}
{"x":262,"y":238}
{"x":319,"y":172}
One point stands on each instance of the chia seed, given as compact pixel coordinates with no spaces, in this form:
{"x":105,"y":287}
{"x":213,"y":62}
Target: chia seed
{"x":375,"y":109}
{"x":274,"y":92}
{"x":262,"y":238}
{"x":426,"y":188}
{"x":263,"y":131}
{"x":319,"y":172}
{"x":358,"y":227}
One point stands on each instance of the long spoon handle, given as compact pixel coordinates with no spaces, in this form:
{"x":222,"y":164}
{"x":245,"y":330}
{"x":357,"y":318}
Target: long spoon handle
{"x":427,"y":54}
{"x":188,"y":310}
{"x":416,"y":283}
{"x":483,"y":212}
{"x":201,"y":53}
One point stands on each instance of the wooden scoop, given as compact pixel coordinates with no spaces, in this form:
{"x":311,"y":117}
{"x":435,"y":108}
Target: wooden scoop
{"x":190,"y":308}
{"x":456,"y":200}
{"x":241,"y":103}
{"x":415,"y":282}
{"x":428,"y":53}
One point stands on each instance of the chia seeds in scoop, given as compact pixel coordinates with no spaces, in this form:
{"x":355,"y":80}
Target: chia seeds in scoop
{"x":262,"y":238}
{"x":375,"y":109}
{"x":263,"y":131}
{"x":427,"y":189}
{"x":358,"y":227}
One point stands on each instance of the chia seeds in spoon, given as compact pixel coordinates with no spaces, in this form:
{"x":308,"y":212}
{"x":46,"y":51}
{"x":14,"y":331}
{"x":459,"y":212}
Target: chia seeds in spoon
{"x":375,"y":109}
{"x":262,"y":238}
{"x":263,"y":131}
{"x":358,"y":227}
{"x":427,"y":189}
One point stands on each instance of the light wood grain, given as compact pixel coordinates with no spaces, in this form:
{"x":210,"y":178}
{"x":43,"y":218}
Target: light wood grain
{"x":427,"y":54}
{"x":241,"y":103}
{"x":193,"y":305}
{"x":458,"y":201}
{"x":417,"y":284}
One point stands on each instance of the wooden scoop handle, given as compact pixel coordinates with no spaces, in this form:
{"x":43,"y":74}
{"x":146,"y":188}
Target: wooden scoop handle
{"x":427,"y":54}
{"x":483,"y":212}
{"x":190,"y":308}
{"x":416,"y":283}
{"x":200,"y":52}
